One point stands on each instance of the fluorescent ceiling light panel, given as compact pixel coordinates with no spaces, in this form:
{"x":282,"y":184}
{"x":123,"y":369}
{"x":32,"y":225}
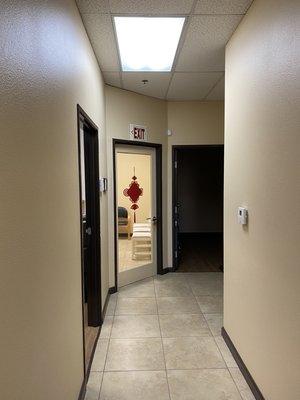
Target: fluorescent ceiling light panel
{"x":148,"y":44}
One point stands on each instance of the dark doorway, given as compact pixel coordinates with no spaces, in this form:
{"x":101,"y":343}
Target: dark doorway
{"x":90,"y":232}
{"x":198,"y":208}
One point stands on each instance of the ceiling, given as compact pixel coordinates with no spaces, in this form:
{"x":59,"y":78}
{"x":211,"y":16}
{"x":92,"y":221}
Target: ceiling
{"x":198,"y":70}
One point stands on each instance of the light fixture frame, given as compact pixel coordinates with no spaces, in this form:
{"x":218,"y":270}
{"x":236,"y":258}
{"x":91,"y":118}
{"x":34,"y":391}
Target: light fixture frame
{"x":178,"y":47}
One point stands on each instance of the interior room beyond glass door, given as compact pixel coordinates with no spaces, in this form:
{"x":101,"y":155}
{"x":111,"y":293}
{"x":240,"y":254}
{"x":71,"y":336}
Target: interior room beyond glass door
{"x":136,"y":213}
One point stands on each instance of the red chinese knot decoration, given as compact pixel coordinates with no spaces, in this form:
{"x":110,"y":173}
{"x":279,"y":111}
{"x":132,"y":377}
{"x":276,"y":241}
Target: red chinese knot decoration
{"x":134,"y":191}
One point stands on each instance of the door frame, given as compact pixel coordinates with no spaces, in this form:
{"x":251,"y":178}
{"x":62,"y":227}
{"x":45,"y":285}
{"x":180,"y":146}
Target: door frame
{"x":175,"y":149}
{"x":93,"y":287}
{"x":158,"y":151}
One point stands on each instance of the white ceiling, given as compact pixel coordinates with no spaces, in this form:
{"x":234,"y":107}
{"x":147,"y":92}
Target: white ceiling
{"x":198,"y":70}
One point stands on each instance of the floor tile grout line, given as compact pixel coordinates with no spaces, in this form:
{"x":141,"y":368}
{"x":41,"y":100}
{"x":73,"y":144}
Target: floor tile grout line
{"x":195,"y":297}
{"x":214,"y":338}
{"x":108,"y":345}
{"x":101,"y":382}
{"x":161,"y":314}
{"x":227,"y":367}
{"x":203,"y":315}
{"x":125,"y":295}
{"x":156,"y":297}
{"x":209,"y":326}
{"x":169,"y":369}
{"x":157,"y":337}
{"x":162,"y":344}
{"x":186,"y":281}
{"x":239,"y":391}
{"x":220,"y":352}
{"x":166,"y":297}
{"x":175,"y":313}
{"x":136,"y":338}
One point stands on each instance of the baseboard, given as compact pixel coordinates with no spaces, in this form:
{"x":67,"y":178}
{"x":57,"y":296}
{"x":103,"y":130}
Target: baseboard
{"x":85,"y":380}
{"x":244,"y":370}
{"x":112,"y":290}
{"x":86,"y":377}
{"x":82,"y":390}
{"x":166,"y":270}
{"x":105,"y":305}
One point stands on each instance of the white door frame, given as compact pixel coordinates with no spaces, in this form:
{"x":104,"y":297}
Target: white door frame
{"x":158,"y":178}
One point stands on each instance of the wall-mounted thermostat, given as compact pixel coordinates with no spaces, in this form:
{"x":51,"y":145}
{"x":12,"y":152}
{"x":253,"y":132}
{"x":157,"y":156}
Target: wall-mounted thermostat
{"x":103,"y":185}
{"x":242,"y":215}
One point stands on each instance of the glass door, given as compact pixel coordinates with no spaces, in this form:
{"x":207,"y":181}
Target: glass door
{"x":136,"y":213}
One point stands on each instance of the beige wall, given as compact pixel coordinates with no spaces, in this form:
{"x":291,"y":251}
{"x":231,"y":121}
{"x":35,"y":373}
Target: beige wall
{"x":196,"y":122}
{"x":141,"y":164}
{"x":191,"y":123}
{"x":262,"y":166}
{"x":47,"y":67}
{"x":123,"y":108}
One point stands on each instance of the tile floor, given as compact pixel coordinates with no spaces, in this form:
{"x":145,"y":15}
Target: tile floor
{"x":161,"y":339}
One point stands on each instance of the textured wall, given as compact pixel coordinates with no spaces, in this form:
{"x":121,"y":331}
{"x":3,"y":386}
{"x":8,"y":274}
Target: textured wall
{"x":191,"y":123}
{"x":262,"y":172}
{"x":47,"y":67}
{"x":123,"y":108}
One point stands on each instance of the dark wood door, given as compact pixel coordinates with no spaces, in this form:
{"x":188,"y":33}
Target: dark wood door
{"x":91,"y":227}
{"x":175,"y":212}
{"x":90,"y":232}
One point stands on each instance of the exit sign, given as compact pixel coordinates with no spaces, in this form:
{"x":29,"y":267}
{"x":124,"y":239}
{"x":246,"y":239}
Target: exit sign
{"x":138,"y":133}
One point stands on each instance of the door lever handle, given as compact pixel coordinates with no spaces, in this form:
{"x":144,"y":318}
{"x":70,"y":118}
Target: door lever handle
{"x":153,"y":219}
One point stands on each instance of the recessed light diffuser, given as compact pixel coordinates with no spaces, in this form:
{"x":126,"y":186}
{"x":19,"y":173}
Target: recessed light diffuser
{"x":148,"y":44}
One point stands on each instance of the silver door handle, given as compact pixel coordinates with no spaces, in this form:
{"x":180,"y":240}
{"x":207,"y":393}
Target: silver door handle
{"x":88,"y":231}
{"x":153,"y":219}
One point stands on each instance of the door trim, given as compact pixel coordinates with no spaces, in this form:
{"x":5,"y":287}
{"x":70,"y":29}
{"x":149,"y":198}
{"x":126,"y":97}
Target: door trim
{"x":158,"y":151}
{"x":175,"y":149}
{"x":96,"y":288}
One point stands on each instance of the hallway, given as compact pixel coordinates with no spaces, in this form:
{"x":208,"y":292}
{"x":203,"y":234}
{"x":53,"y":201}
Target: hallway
{"x":140,"y":138}
{"x":161,"y":339}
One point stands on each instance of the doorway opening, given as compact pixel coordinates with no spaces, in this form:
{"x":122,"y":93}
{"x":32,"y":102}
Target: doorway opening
{"x":198,"y":208}
{"x":90,"y":233}
{"x":138,"y":211}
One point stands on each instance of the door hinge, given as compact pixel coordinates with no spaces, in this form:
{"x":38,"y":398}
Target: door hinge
{"x":176,"y":222}
{"x":176,"y":254}
{"x":175,"y":164}
{"x":176,"y":209}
